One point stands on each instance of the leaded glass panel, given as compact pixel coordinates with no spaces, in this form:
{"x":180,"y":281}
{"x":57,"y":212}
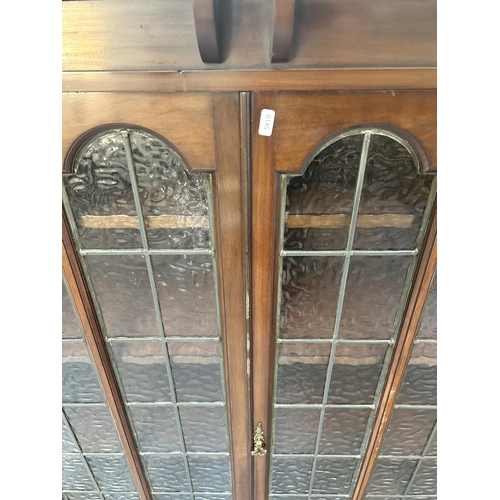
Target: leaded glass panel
{"x":351,"y":225}
{"x":92,"y":454}
{"x":144,"y":225}
{"x":412,"y":429}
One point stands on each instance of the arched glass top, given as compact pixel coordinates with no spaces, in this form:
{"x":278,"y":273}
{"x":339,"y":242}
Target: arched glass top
{"x":390,"y":202}
{"x":173,"y":200}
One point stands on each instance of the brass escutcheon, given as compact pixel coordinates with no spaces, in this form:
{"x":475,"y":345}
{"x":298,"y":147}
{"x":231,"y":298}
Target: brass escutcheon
{"x":259,"y":446}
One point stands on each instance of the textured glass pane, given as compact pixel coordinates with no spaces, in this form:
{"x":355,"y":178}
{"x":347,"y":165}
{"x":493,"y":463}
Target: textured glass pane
{"x":329,"y":181}
{"x":205,"y":428}
{"x":70,"y":323}
{"x":165,"y":185}
{"x":111,"y":473}
{"x":173,"y":496}
{"x":100,"y":186}
{"x":381,"y":497}
{"x":141,"y":366}
{"x":213,"y":497}
{"x":79,"y":380}
{"x":373,"y":292}
{"x":196,"y":368}
{"x":343,"y":430}
{"x":310,"y":290}
{"x":75,"y":476}
{"x":302,"y":372}
{"x":121,"y":496}
{"x":121,"y":283}
{"x":291,"y":475}
{"x":186,"y":292}
{"x":355,"y":373}
{"x":210,"y":473}
{"x":391,"y":476}
{"x":167,"y":473}
{"x":296,"y":430}
{"x":425,"y":482}
{"x":179,"y":238}
{"x":84,"y":496}
{"x":408,"y":432}
{"x":103,"y":238}
{"x":333,"y":475}
{"x":420,"y":382}
{"x":296,"y":497}
{"x":309,"y":238}
{"x":94,"y":428}
{"x":393,"y":199}
{"x":327,"y":187}
{"x":428,"y":326}
{"x":68,"y":440}
{"x":156,"y":428}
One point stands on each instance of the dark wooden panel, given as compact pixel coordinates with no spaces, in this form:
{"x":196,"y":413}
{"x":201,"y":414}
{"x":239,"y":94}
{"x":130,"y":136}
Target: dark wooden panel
{"x":283,"y":22}
{"x":186,"y":120}
{"x":305,"y":119}
{"x":365,"y":34}
{"x":205,"y":21}
{"x":255,"y":80}
{"x":265,"y":198}
{"x":402,"y":350}
{"x":78,"y":289}
{"x":159,"y":35}
{"x":231,"y":223}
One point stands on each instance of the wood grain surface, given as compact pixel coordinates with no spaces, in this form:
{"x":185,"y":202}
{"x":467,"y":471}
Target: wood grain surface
{"x":185,"y":120}
{"x":249,"y":80}
{"x":305,"y":119}
{"x":160,"y":35}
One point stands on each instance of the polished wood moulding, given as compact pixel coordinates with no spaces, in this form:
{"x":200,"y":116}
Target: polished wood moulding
{"x":250,"y":80}
{"x":263,"y":295}
{"x":231,"y":219}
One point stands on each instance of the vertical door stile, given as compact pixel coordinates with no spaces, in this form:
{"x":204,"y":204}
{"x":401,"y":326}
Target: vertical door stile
{"x":231,"y":222}
{"x":265,"y":197}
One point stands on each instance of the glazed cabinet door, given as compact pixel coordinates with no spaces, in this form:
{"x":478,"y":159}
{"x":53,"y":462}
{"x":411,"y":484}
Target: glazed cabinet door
{"x":343,"y":260}
{"x":155,"y":385}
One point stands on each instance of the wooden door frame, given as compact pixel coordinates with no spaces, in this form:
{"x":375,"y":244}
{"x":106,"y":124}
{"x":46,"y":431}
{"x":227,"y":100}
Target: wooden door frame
{"x":211,"y":128}
{"x":302,"y":122}
{"x":224,"y":151}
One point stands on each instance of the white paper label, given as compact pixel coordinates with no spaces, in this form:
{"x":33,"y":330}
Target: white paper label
{"x":266,"y":122}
